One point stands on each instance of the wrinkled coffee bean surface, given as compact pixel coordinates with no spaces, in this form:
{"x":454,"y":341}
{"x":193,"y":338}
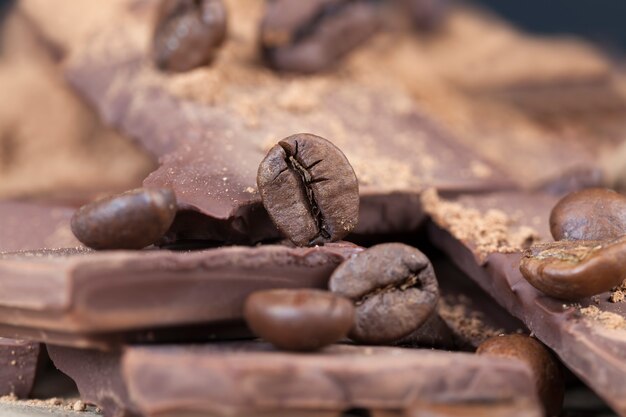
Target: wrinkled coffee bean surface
{"x":132,"y":220}
{"x":309,"y":189}
{"x":394,"y":289}
{"x":299,"y":320}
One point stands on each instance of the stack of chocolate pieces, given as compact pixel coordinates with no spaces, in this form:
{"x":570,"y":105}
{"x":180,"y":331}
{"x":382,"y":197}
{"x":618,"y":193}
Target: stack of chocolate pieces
{"x":258,"y":271}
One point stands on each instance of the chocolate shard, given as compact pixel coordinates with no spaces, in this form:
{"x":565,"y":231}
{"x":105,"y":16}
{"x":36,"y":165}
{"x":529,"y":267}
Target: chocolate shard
{"x":85,"y":298}
{"x":211,"y":141}
{"x":589,"y":336}
{"x":252,"y":378}
{"x":18,"y":365}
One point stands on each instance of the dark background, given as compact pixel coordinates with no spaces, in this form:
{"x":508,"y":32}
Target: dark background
{"x":602,"y":21}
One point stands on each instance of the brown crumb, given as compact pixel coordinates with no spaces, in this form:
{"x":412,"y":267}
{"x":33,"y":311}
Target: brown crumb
{"x":605,"y":318}
{"x":466,"y":322}
{"x":489,"y":232}
{"x":78,"y":406}
{"x":618,"y":294}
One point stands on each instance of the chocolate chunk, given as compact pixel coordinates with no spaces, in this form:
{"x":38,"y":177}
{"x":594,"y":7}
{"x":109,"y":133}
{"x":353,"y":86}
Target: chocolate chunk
{"x":571,"y":270}
{"x":132,"y":220}
{"x":546,"y":370}
{"x":393,"y":287}
{"x":188,"y":33}
{"x":591,"y":214}
{"x":309,"y":190}
{"x":18,"y":365}
{"x":254,"y":379}
{"x":68,"y":296}
{"x":587,"y":336}
{"x":313,"y":37}
{"x":212,"y":140}
{"x":299,"y":320}
{"x":27,"y":226}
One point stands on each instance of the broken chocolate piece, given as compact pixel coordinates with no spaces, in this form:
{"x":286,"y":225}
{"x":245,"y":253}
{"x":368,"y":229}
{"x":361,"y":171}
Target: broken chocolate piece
{"x":589,"y":336}
{"x":18,"y":365}
{"x":212,"y":140}
{"x":60,"y":294}
{"x":254,"y":379}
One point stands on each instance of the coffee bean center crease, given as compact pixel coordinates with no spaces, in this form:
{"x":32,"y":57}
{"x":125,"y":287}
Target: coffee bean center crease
{"x":307,"y":180}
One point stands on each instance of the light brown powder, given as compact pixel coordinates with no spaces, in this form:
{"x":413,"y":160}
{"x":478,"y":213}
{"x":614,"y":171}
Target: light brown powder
{"x":605,"y":318}
{"x":469,"y":324}
{"x":618,"y":294}
{"x":64,"y":404}
{"x":488,"y":232}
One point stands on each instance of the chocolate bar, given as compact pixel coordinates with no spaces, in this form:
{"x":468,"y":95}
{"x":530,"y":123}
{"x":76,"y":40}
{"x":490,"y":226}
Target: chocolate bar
{"x":212,"y":140}
{"x":589,"y":336}
{"x":254,"y":379}
{"x":27,"y":226}
{"x":78,"y":297}
{"x":18,"y":365}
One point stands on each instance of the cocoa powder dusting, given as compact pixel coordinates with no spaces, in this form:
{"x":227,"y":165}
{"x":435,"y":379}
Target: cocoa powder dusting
{"x":488,"y":232}
{"x":465,"y":321}
{"x":618,"y":294}
{"x":607,"y":319}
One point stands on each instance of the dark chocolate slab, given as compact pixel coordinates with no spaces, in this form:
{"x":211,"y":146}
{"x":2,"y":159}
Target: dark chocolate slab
{"x":18,"y":365}
{"x":26,"y":226}
{"x":60,"y":294}
{"x":589,"y":336}
{"x":212,"y":127}
{"x":253,"y":379}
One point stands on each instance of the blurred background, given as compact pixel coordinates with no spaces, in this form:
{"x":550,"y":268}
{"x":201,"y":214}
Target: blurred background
{"x":601,"y":21}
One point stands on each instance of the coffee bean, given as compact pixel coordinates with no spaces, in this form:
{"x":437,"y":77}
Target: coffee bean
{"x":426,"y":14}
{"x":188,"y":33}
{"x":132,"y":220}
{"x":393,"y":287}
{"x":309,"y":190}
{"x":300,"y":320}
{"x":592,"y":214}
{"x":545,"y":369}
{"x":571,"y":270}
{"x":313,"y":35}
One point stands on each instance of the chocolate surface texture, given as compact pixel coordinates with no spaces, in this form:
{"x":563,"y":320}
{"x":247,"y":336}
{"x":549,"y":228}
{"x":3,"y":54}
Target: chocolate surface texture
{"x":589,"y":336}
{"x":200,"y":380}
{"x":80,"y":297}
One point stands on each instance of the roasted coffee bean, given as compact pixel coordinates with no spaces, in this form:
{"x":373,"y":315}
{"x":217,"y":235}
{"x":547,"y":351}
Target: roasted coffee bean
{"x":309,"y":190}
{"x":132,"y":220}
{"x":426,"y":14}
{"x":571,"y":270}
{"x":393,"y":287}
{"x":188,"y":33}
{"x":310,"y":36}
{"x":592,"y":214}
{"x":300,"y":320}
{"x":545,"y":369}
